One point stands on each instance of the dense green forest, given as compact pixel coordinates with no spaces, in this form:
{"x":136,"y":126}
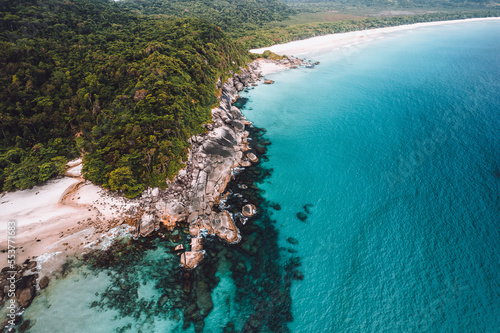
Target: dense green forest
{"x":127,"y":83}
{"x":91,"y":76}
{"x":233,"y":15}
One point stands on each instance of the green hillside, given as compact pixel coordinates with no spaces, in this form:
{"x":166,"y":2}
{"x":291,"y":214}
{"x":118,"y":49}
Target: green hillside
{"x":92,"y":76}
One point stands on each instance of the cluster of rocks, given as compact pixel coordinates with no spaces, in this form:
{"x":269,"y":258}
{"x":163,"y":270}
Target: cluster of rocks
{"x":195,"y":191}
{"x":197,"y":188}
{"x":18,"y":288}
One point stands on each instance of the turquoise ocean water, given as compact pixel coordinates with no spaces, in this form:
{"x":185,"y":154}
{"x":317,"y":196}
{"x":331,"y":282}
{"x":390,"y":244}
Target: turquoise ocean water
{"x":390,"y":150}
{"x":396,"y":144}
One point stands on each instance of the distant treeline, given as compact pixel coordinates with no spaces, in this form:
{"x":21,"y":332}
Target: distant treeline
{"x":388,"y":3}
{"x":236,"y":16}
{"x":278,"y":35}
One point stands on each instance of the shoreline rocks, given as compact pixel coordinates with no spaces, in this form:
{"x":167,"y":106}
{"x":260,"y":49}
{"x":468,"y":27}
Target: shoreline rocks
{"x":193,"y":193}
{"x":248,"y":210}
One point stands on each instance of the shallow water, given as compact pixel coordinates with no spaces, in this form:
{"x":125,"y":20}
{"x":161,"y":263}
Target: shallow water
{"x":390,"y":152}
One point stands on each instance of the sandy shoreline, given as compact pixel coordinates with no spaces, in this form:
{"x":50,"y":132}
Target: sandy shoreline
{"x":62,"y":217}
{"x":326,"y":43}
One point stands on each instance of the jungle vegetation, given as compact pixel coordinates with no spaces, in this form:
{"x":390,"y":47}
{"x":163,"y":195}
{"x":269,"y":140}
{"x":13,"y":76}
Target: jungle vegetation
{"x":91,"y":77}
{"x":126,"y":83}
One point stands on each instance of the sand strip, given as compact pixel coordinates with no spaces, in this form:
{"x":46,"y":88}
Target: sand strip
{"x":327,"y":43}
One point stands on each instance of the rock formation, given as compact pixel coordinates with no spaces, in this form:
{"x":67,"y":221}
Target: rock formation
{"x":248,"y":210}
{"x":197,"y":188}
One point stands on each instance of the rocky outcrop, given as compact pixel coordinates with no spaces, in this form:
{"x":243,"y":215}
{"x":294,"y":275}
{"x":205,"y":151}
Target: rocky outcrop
{"x":197,"y":188}
{"x":248,"y":210}
{"x":252,"y":157}
{"x":191,"y":259}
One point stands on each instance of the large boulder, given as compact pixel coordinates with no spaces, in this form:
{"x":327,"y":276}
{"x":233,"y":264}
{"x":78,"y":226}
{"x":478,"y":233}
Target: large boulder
{"x":248,"y":210}
{"x":44,"y":282}
{"x":147,"y":225}
{"x":252,"y":157}
{"x":191,"y":259}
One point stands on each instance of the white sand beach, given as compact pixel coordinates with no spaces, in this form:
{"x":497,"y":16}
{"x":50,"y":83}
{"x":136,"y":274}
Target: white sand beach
{"x":59,"y":218}
{"x":326,"y":43}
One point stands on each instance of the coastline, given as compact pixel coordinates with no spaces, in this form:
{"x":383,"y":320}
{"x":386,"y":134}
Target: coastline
{"x":69,"y":216}
{"x":66,"y":226}
{"x":326,"y":43}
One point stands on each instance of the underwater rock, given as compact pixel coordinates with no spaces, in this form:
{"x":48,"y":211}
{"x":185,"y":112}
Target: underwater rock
{"x":26,"y":325}
{"x":261,"y":149}
{"x":26,"y":296}
{"x":203,"y":298}
{"x":229,"y":328}
{"x":268,"y":81}
{"x":163,"y":299}
{"x":251,"y":244}
{"x":240,"y":268}
{"x":292,"y":241}
{"x":307,"y":208}
{"x":276,"y":206}
{"x":297,"y":275}
{"x":301,"y":216}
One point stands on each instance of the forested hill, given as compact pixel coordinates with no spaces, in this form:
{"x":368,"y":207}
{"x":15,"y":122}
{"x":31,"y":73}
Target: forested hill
{"x":93,"y":76}
{"x":228,"y":14}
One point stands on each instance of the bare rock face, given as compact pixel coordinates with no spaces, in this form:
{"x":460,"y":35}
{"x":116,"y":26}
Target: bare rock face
{"x":245,"y":164}
{"x":222,"y":225}
{"x":191,"y":259}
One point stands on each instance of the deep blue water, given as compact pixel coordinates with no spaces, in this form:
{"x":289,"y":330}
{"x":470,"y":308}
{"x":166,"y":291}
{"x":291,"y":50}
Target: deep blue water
{"x":396,"y":144}
{"x":391,"y":150}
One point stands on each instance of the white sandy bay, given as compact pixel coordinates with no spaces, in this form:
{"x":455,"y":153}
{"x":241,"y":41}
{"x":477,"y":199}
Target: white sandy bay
{"x":36,"y":205}
{"x":327,"y":43}
{"x":60,"y":217}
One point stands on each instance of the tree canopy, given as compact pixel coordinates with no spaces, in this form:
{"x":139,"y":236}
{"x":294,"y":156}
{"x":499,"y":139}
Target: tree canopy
{"x":91,"y":76}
